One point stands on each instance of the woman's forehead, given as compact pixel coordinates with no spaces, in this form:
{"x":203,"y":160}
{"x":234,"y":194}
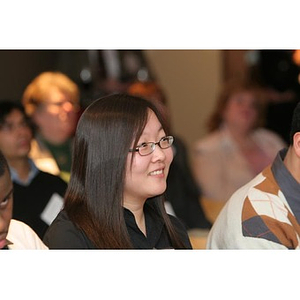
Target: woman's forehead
{"x":152,"y":124}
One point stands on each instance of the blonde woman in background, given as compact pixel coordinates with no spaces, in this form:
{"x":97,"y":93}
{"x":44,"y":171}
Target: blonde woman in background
{"x":52,"y":101}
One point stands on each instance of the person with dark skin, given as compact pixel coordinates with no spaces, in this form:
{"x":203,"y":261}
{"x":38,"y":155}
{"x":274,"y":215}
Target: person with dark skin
{"x":13,"y":234}
{"x":38,"y":196}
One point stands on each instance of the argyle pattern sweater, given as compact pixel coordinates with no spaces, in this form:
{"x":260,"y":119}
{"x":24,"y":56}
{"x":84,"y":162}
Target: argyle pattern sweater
{"x":257,"y":216}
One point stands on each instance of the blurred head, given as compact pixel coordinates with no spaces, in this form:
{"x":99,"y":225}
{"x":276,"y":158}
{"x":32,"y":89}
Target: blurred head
{"x":295,"y":124}
{"x":151,"y":91}
{"x":105,"y":173}
{"x":6,"y":200}
{"x":52,"y":101}
{"x":240,"y":105}
{"x":15,"y":130}
{"x":148,"y":90}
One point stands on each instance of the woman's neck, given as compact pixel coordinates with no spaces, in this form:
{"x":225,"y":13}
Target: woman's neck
{"x":138,"y":211}
{"x":240,"y":135}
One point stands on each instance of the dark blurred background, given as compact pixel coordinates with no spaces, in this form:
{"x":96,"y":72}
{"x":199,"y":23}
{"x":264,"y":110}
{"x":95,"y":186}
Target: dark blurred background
{"x":191,"y":79}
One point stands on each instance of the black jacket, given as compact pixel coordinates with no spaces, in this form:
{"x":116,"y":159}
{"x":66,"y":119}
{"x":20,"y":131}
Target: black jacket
{"x":183,"y":192}
{"x":63,"y":234}
{"x":31,"y":200}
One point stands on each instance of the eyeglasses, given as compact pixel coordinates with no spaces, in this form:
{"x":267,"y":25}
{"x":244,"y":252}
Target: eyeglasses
{"x":147,"y":148}
{"x":57,"y":105}
{"x":61,"y":104}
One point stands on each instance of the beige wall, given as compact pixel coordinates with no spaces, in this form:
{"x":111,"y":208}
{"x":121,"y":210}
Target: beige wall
{"x":191,"y":80}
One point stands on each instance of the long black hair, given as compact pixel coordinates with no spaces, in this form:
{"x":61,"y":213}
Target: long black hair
{"x":94,"y":198}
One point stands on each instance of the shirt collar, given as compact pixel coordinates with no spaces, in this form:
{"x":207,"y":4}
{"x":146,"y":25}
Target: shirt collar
{"x":32,"y":173}
{"x":287,"y":183}
{"x":154,"y":227}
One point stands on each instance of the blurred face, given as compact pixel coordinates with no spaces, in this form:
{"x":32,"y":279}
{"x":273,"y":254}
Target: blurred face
{"x":6,"y":204}
{"x":15,"y":136}
{"x":147,"y":175}
{"x":241,"y":111}
{"x":56,"y":118}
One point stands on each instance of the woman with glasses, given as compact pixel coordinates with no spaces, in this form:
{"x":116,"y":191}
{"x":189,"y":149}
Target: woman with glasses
{"x":52,"y":102}
{"x":122,"y":156}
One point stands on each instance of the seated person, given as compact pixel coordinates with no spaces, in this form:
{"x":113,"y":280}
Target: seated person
{"x":182,"y":193}
{"x":237,"y":147}
{"x":265,"y":213}
{"x":52,"y":102}
{"x":115,"y":197}
{"x":13,"y":234}
{"x":38,"y":196}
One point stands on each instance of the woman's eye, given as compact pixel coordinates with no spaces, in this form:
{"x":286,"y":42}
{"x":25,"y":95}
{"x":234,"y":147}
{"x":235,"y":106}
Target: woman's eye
{"x":143,"y":145}
{"x":6,"y":127}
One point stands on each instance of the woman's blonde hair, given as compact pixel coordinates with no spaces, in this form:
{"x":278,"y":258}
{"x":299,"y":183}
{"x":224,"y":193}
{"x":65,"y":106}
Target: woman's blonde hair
{"x":37,"y":91}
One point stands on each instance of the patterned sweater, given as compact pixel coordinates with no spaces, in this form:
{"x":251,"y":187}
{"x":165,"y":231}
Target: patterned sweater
{"x":259,"y":215}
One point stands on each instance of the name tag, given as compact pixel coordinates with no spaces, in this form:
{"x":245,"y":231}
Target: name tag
{"x":52,"y":208}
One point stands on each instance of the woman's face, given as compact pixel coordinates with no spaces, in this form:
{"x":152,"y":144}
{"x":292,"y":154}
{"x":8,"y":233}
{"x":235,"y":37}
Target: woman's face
{"x":147,"y":175}
{"x":241,"y":111}
{"x":15,"y":135}
{"x":57,"y":117}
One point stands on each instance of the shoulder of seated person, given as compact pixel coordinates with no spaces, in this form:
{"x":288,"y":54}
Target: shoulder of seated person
{"x":208,"y":141}
{"x":23,"y":236}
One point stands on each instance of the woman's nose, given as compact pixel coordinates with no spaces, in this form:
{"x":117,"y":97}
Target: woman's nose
{"x":21,"y":129}
{"x":158,"y":153}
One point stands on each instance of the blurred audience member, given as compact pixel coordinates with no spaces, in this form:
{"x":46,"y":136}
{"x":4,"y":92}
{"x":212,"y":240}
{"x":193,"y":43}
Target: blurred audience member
{"x":38,"y":196}
{"x":265,"y":213}
{"x":236,"y":148}
{"x":52,"y":101}
{"x":14,"y":235}
{"x":182,"y":194}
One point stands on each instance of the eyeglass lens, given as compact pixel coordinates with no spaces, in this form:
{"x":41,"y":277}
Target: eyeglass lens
{"x":148,"y":148}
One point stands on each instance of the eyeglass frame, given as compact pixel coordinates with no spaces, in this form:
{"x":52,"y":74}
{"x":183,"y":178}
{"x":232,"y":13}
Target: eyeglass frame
{"x":153,"y":145}
{"x":59,"y":104}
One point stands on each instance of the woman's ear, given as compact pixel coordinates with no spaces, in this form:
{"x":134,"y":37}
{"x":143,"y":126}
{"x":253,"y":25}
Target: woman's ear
{"x":296,"y":144}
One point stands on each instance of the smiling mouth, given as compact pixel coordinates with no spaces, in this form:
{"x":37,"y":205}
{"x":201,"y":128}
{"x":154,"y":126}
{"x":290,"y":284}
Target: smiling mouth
{"x":157,"y":172}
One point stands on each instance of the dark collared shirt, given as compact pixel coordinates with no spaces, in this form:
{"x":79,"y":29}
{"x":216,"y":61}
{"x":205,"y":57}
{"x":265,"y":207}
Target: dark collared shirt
{"x":287,"y":183}
{"x":63,"y":234}
{"x":157,"y":236}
